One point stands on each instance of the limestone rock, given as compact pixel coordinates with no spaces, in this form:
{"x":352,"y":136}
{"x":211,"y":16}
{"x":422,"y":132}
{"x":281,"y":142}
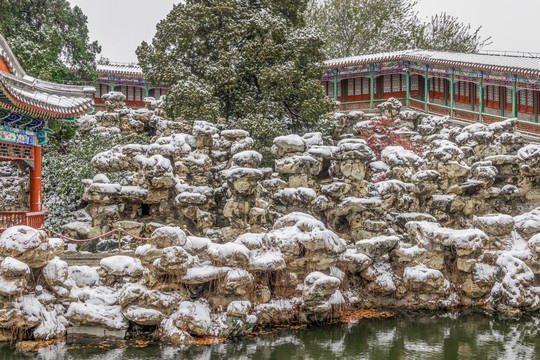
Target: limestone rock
{"x":121,"y":265}
{"x":29,"y":245}
{"x":167,"y":236}
{"x":377,"y":246}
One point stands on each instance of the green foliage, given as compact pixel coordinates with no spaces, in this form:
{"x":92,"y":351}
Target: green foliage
{"x":354,"y":27}
{"x":264,"y":131}
{"x":241,"y":60}
{"x":66,"y":162}
{"x":47,"y":35}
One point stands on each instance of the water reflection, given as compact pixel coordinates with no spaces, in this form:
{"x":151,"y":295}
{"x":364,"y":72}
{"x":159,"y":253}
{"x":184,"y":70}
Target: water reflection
{"x":409,"y":336}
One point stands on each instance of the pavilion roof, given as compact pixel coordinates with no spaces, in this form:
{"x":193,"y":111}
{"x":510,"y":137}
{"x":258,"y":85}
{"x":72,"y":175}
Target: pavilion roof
{"x":525,"y":65}
{"x":120,"y":69}
{"x":25,"y":94}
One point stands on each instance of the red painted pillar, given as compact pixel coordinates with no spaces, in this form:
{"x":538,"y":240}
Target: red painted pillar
{"x":36,"y":204}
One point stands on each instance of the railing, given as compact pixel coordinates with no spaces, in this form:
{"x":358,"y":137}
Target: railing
{"x":524,"y":127}
{"x":14,"y":218}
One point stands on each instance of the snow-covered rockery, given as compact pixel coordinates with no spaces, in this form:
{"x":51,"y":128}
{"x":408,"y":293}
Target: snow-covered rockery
{"x":419,"y":214}
{"x":177,"y":287}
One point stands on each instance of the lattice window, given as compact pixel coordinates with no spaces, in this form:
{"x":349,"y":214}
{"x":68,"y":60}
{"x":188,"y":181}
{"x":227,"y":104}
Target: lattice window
{"x":530,"y":101}
{"x":522,"y":97}
{"x":350,"y":87}
{"x":496,"y":91}
{"x":339,"y":85}
{"x":414,"y":82}
{"x":138,"y":94}
{"x":431,"y":85}
{"x":396,"y":82}
{"x":461,"y":87}
{"x":97,"y":94}
{"x":357,"y":86}
{"x":130,"y":93}
{"x":466,"y":86}
{"x":508,"y":96}
{"x":365,"y":86}
{"x":386,"y":84}
{"x":490,"y":92}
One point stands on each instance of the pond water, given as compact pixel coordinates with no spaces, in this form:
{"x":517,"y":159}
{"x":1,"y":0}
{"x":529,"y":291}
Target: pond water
{"x":463,"y":335}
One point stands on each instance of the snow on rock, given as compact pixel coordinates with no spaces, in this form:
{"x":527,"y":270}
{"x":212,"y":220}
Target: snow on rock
{"x":89,"y":314}
{"x":266,"y":261}
{"x":168,"y":236}
{"x":238,"y":282}
{"x":50,"y":318}
{"x":378,"y":246}
{"x":12,"y":287}
{"x":314,"y":138}
{"x":195,"y":317}
{"x":423,"y":279}
{"x":298,"y":164}
{"x":295,"y":196}
{"x":121,"y":265}
{"x":143,"y":316}
{"x":529,"y":154}
{"x":354,"y":261}
{"x":534,"y":244}
{"x":288,"y":144}
{"x":169,"y":332}
{"x":465,"y":241}
{"x":248,"y":158}
{"x":83,"y":275}
{"x":250,"y":240}
{"x":203,"y":273}
{"x":398,"y":156}
{"x":513,"y":286}
{"x":495,"y":224}
{"x":239,"y":308}
{"x":29,"y":245}
{"x":229,"y":254}
{"x":528,"y":224}
{"x":318,"y":288}
{"x":13,"y":268}
{"x":174,"y":260}
{"x":56,"y":275}
{"x":297,"y":230}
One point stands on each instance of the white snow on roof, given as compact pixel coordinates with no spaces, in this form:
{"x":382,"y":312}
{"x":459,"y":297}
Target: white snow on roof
{"x":492,"y":62}
{"x":120,"y":68}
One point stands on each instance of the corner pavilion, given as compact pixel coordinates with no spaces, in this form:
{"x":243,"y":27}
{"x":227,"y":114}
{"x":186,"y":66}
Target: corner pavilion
{"x":27,"y":106}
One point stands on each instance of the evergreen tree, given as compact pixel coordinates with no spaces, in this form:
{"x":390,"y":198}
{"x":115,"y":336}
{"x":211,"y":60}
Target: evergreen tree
{"x":240,"y":60}
{"x":48,"y":36}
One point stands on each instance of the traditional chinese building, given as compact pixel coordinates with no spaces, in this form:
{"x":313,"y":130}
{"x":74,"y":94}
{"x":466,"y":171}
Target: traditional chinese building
{"x":27,"y":106}
{"x":127,"y":79}
{"x":469,"y":87}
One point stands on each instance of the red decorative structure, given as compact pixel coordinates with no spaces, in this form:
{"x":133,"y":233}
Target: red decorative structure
{"x":127,"y":79}
{"x":26,"y":107}
{"x":482,"y":88}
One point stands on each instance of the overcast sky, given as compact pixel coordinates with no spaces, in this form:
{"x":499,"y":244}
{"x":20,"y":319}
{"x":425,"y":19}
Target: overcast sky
{"x":121,"y":25}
